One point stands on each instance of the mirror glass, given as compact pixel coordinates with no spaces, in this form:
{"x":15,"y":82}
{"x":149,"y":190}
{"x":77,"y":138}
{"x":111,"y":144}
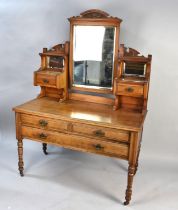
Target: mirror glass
{"x":55,"y":62}
{"x":134,"y":69}
{"x":93,"y":56}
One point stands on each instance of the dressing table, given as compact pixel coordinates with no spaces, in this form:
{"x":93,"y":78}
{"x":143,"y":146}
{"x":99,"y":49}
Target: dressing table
{"x":93,"y":96}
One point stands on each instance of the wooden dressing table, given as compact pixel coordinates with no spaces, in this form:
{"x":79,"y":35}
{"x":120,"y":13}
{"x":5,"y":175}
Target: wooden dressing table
{"x":91,"y":101}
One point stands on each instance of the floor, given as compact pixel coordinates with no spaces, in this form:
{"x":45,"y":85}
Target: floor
{"x":70,"y":180}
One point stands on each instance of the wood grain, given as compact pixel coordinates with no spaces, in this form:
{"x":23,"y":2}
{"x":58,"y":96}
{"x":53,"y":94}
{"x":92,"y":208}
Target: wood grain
{"x":106,"y":121}
{"x":74,"y":142}
{"x":85,"y":112}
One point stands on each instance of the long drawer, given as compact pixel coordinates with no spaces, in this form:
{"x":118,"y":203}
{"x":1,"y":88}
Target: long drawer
{"x":77,"y":142}
{"x":77,"y":128}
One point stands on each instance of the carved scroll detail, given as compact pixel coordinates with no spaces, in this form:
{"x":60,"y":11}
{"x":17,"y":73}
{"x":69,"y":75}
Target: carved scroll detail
{"x":128,"y":51}
{"x":94,"y":13}
{"x":62,"y":49}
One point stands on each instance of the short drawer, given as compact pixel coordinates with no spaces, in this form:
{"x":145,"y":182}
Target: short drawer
{"x":101,"y":132}
{"x":130,"y":90}
{"x":43,"y":122}
{"x":45,"y":79}
{"x":77,"y":142}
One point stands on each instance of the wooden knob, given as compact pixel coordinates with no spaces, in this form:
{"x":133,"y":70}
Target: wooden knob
{"x":129,"y":89}
{"x":98,"y":146}
{"x":45,"y":80}
{"x":43,"y":123}
{"x":45,"y":50}
{"x":99,"y":133}
{"x":42,"y":136}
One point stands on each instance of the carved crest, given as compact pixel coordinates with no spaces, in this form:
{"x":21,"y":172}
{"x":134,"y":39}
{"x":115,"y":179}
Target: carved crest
{"x":62,"y":49}
{"x":130,"y":53}
{"x":127,"y":51}
{"x":94,"y":13}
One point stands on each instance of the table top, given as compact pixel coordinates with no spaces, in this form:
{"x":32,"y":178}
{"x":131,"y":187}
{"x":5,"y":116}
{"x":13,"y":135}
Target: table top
{"x":86,"y":112}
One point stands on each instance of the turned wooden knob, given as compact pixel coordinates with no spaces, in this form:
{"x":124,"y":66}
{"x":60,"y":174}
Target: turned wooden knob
{"x":99,"y":133}
{"x":45,"y":80}
{"x":42,"y":136}
{"x":129,"y":89}
{"x":98,"y":146}
{"x":43,"y":123}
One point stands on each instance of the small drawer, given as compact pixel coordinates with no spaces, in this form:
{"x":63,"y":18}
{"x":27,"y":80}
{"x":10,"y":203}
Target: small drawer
{"x":101,"y":132}
{"x":45,"y":79}
{"x":77,"y":142}
{"x":43,"y":122}
{"x":130,"y":90}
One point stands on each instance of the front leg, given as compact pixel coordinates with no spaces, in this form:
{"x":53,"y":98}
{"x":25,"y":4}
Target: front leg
{"x":131,"y":172}
{"x":138,"y":153}
{"x":20,"y":155}
{"x":136,"y":166}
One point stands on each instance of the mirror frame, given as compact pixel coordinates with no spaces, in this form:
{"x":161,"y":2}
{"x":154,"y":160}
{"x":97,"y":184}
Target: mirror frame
{"x":94,"y":18}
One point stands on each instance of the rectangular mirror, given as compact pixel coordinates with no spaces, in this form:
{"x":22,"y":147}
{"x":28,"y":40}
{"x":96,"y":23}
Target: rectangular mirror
{"x":134,"y":69}
{"x":93,"y":56}
{"x":55,"y":62}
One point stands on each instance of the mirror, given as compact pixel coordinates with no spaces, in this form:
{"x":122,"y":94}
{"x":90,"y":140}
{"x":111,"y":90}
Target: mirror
{"x":134,"y":69}
{"x":93,"y":56}
{"x":55,"y":62}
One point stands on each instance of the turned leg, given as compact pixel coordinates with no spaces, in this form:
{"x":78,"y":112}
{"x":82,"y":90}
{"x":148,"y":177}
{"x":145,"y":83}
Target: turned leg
{"x":45,"y":148}
{"x":20,"y":154}
{"x":131,"y":171}
{"x":138,"y":154}
{"x":136,"y":165}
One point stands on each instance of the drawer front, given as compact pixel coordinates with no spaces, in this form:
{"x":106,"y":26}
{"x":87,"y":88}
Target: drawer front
{"x":77,"y":142}
{"x":130,"y":90}
{"x":76,"y":128}
{"x":104,"y":133}
{"x":43,"y":122}
{"x":46,"y":80}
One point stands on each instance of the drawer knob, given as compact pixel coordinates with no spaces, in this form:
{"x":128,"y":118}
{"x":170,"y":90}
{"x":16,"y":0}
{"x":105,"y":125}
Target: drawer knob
{"x":42,"y":136}
{"x":43,"y":123}
{"x":129,"y":89}
{"x":45,"y":80}
{"x":99,"y":133}
{"x":98,"y":146}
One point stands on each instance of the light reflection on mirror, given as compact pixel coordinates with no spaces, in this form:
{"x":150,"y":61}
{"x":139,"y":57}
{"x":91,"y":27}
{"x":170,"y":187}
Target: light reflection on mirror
{"x":93,"y":56}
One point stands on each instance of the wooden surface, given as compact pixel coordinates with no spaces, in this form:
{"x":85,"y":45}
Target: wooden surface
{"x":53,"y":81}
{"x":77,"y":142}
{"x":86,"y":127}
{"x":94,"y":114}
{"x":76,"y":128}
{"x":86,"y":121}
{"x":139,"y":86}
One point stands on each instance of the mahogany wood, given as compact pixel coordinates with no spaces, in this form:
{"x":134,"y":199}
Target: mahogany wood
{"x":53,"y":82}
{"x":86,"y":121}
{"x":134,"y":86}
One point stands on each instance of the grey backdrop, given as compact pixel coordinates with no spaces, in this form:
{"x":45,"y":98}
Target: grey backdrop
{"x":149,"y":26}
